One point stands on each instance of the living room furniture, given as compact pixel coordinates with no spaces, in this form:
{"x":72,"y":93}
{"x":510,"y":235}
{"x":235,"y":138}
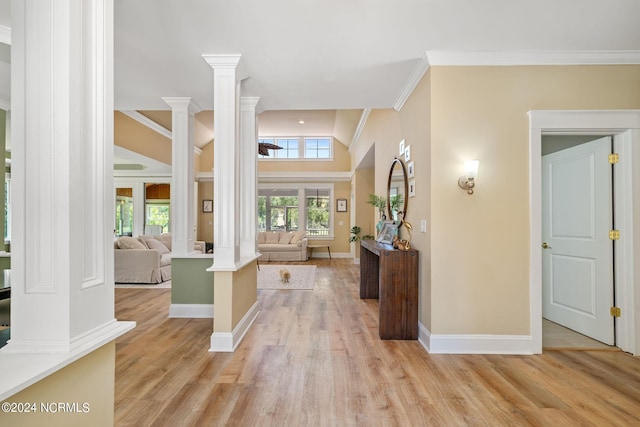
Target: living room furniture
{"x":310,"y":248}
{"x":282,"y":246}
{"x":391,"y":275}
{"x":145,"y":259}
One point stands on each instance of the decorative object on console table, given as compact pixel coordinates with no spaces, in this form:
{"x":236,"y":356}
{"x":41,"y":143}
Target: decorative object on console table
{"x":388,"y":232}
{"x":391,"y":275}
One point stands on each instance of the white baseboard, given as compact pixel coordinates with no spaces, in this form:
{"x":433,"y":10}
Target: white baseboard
{"x":192,"y":311}
{"x":475,"y":344}
{"x":229,"y":341}
{"x":356,"y":261}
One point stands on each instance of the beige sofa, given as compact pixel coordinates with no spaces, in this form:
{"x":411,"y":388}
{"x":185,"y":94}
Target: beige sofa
{"x":145,"y":259}
{"x":282,"y":246}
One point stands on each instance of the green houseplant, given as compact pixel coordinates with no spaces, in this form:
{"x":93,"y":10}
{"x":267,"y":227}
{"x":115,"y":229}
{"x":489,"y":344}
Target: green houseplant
{"x":355,"y":231}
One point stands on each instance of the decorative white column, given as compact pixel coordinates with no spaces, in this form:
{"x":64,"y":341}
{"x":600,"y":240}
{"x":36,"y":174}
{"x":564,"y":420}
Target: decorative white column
{"x":62,"y":295}
{"x":249,"y":178}
{"x":226,"y":173}
{"x":182,"y":175}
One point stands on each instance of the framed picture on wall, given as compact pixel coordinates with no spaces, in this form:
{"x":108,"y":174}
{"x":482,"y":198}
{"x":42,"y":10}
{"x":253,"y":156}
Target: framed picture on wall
{"x":341,"y":205}
{"x":207,"y":206}
{"x":411,"y":171}
{"x":401,"y":148}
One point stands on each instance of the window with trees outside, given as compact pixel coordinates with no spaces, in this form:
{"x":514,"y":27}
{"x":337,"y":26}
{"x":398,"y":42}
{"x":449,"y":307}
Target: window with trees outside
{"x":316,"y":148}
{"x":296,"y":208}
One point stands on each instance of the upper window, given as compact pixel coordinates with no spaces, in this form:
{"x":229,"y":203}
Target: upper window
{"x":299,"y":148}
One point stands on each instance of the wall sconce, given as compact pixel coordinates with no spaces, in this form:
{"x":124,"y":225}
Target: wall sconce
{"x":467,"y":181}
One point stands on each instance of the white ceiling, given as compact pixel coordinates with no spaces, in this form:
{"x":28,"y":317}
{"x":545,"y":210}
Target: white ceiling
{"x":333,"y":54}
{"x":338,"y":54}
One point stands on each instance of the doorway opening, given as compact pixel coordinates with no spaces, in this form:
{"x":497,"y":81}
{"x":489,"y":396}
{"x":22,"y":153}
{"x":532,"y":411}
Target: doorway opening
{"x":577,"y":255}
{"x":624,"y":125}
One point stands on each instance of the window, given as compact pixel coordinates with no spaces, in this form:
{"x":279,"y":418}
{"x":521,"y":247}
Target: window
{"x":157,"y":205}
{"x":318,"y":212}
{"x":287,"y":208}
{"x":124,"y":212}
{"x":157,"y":213}
{"x":318,"y":148}
{"x":278,"y":210}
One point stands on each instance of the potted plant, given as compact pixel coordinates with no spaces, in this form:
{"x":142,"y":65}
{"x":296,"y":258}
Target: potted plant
{"x":379,"y":202}
{"x":355,"y":231}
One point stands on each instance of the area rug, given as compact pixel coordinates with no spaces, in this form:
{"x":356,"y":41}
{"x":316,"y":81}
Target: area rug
{"x":163,"y":285}
{"x":302,"y":277}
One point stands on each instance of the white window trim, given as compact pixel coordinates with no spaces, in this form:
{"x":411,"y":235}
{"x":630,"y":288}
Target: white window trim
{"x":302,"y":207}
{"x":301,"y":149}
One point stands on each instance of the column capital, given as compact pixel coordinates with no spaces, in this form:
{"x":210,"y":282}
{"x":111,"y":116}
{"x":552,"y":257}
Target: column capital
{"x":251,"y":103}
{"x":228,"y":62}
{"x":184,"y":101}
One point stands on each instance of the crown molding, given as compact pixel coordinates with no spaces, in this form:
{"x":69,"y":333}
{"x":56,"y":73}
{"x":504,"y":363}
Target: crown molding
{"x":144,"y":120}
{"x":5,"y":35}
{"x":418,"y":72}
{"x":363,"y":121}
{"x":560,"y":57}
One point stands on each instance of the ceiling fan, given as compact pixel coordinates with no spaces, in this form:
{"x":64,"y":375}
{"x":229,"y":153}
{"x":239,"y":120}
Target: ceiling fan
{"x":264,"y":147}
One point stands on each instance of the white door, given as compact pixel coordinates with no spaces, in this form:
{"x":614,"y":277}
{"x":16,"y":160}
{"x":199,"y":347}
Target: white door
{"x":577,"y":254}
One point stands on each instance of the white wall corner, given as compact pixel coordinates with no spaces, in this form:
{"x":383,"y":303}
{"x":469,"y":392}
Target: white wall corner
{"x":418,"y":72}
{"x":363,"y":121}
{"x":227,"y":342}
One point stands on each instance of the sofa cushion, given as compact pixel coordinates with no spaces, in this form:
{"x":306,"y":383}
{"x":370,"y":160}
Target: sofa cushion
{"x":262,"y":237}
{"x":157,"y":245}
{"x":165,"y":239}
{"x":165,"y":259}
{"x":297,"y":236}
{"x":285,"y":238}
{"x":276,"y":247}
{"x":126,"y":242}
{"x":272,"y":238}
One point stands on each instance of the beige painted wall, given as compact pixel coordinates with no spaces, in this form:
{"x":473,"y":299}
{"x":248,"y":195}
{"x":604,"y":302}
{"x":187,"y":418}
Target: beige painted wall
{"x":415,"y":120}
{"x":480,"y":243}
{"x":237,"y":292}
{"x":363,"y":185}
{"x":89,"y":380}
{"x":474,"y":258}
{"x":205,"y":220}
{"x":133,"y":136}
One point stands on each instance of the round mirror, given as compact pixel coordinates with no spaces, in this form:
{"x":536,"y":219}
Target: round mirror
{"x":397,"y":191}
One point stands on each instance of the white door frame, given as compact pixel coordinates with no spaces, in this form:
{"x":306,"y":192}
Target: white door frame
{"x":625,"y":126}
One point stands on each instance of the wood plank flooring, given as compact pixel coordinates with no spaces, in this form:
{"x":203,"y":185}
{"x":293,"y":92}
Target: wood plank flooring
{"x":313,"y":358}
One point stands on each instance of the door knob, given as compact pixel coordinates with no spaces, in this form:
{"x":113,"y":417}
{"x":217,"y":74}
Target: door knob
{"x":545,"y":245}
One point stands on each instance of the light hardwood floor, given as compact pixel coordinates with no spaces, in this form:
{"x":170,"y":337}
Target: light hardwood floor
{"x":313,"y":358}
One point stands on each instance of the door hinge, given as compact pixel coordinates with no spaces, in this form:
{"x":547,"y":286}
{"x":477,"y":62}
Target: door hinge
{"x":615,"y":312}
{"x":614,"y":158}
{"x":614,"y":235}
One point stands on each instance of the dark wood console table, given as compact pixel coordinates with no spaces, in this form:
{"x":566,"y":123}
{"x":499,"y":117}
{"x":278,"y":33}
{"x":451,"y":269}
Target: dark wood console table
{"x":391,"y":275}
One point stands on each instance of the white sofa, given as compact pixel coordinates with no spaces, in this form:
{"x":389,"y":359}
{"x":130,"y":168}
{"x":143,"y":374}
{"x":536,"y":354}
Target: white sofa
{"x":145,"y":259}
{"x":282,"y":246}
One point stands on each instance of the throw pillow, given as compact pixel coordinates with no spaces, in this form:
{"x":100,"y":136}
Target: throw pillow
{"x":297,"y":236}
{"x":126,"y":242}
{"x":157,"y":245}
{"x":273,"y":238}
{"x":165,"y":239}
{"x":285,"y":238}
{"x":262,"y":237}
